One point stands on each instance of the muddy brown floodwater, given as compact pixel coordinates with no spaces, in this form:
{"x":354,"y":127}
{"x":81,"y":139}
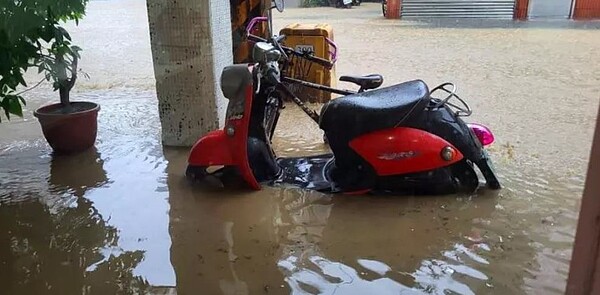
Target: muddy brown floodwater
{"x":121,"y":218}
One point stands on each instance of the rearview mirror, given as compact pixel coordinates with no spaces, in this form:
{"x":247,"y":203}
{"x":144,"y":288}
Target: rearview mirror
{"x":279,"y":4}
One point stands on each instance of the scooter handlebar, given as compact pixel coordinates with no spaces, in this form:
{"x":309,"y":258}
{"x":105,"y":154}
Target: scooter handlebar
{"x":287,"y":50}
{"x":280,"y":38}
{"x":321,"y":61}
{"x":253,"y":23}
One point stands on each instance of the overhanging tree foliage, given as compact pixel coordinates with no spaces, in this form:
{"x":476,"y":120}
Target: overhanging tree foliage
{"x":31,"y":37}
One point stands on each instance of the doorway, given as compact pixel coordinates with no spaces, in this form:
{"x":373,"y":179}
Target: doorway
{"x":557,"y":9}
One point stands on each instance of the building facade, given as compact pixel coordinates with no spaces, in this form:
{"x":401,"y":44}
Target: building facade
{"x":499,"y":9}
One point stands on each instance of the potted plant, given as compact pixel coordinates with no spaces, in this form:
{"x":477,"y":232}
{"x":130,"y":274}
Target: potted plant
{"x":31,"y":37}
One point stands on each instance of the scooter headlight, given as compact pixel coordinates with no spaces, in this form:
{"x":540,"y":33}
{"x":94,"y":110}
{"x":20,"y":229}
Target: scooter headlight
{"x":264,"y":52}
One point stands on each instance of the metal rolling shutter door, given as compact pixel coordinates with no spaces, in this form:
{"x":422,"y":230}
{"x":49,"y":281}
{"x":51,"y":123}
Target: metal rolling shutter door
{"x":458,"y":8}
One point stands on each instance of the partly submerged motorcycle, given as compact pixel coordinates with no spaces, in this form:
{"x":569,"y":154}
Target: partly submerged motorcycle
{"x":399,"y":139}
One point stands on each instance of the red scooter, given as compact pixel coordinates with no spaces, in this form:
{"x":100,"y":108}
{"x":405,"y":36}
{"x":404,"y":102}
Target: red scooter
{"x":398,"y":139}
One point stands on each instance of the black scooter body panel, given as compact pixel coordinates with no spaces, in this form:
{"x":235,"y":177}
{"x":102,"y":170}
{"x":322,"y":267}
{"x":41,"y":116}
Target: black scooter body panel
{"x":322,"y":173}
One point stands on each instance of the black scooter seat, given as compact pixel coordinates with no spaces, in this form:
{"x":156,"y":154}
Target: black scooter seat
{"x":357,"y":114}
{"x":365,"y":82}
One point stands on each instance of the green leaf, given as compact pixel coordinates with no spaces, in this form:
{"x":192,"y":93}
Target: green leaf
{"x":31,"y":35}
{"x":22,"y":100}
{"x":4,"y":105}
{"x":21,"y":80}
{"x":14,"y":106}
{"x":76,"y":54}
{"x":46,"y":33}
{"x":65,"y":33}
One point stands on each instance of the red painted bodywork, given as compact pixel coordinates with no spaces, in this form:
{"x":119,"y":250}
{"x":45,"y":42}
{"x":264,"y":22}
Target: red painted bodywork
{"x":212,"y":150}
{"x":403,"y":150}
{"x":521,"y":8}
{"x":217,"y":148}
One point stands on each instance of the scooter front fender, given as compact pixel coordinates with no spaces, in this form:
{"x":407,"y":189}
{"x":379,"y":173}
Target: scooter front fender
{"x":218,"y":149}
{"x":211,"y":150}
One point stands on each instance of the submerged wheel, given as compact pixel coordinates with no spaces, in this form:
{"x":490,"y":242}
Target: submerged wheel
{"x":217,"y":175}
{"x":464,"y":173}
{"x":196,"y":173}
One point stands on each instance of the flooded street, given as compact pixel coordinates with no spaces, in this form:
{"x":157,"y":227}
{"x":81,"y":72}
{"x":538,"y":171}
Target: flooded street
{"x":121,"y":218}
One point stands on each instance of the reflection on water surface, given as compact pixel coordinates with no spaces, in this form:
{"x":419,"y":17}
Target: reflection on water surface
{"x":122,"y":217}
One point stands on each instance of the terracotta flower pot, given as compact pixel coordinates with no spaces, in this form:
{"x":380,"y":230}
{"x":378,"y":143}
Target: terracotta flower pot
{"x":69,"y":132}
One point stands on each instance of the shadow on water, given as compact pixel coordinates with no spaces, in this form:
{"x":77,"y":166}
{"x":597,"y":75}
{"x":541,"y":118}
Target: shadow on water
{"x":60,"y":244}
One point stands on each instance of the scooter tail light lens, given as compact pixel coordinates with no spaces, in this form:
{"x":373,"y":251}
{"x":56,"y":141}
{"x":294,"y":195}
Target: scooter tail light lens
{"x":485,"y":136}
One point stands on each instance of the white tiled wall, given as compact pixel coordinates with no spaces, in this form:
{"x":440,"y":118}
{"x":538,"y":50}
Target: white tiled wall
{"x":222,"y":45}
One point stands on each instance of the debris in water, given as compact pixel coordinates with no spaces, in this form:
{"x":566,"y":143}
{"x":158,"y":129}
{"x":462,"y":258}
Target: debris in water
{"x":233,"y":258}
{"x":510,"y":150}
{"x":548,"y":220}
{"x":475,"y":237}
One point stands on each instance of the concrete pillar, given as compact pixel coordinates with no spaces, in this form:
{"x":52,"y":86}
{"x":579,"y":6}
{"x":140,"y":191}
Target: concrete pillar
{"x":191,"y":43}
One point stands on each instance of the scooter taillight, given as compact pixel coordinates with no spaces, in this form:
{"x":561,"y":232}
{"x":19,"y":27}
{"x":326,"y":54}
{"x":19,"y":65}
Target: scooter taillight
{"x":483,"y":133}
